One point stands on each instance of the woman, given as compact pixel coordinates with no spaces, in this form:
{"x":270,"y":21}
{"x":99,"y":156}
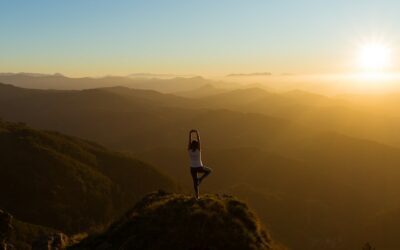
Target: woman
{"x":196,"y":165}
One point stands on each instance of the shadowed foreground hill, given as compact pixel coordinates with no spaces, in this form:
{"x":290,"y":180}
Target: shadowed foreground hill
{"x":67,"y":183}
{"x":15,"y":234}
{"x":175,"y":221}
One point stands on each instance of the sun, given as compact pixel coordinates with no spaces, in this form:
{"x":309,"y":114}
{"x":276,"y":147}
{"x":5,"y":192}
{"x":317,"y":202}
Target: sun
{"x":374,"y":57}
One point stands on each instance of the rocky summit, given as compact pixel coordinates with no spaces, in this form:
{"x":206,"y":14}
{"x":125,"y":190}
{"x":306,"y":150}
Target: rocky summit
{"x":175,"y":221}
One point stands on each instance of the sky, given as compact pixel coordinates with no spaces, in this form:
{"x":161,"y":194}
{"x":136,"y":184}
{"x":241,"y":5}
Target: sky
{"x":197,"y":37}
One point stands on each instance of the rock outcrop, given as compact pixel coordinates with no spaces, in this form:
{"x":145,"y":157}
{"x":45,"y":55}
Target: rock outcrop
{"x":176,"y":221}
{"x":56,"y":241}
{"x":19,"y":235}
{"x":5,"y":230}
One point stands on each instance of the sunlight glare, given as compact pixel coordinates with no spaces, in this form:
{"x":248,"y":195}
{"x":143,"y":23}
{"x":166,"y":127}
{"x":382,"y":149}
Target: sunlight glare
{"x":374,"y":57}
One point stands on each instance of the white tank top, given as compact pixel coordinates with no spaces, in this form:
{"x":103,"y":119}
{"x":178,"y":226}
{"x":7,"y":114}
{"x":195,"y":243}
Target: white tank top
{"x":195,"y":158}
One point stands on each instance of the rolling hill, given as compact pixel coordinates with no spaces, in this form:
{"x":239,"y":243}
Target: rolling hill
{"x":133,"y":120}
{"x":67,"y":183}
{"x":342,"y":115}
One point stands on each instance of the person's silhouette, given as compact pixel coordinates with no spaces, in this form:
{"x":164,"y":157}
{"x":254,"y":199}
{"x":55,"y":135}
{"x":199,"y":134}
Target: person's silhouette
{"x":196,"y":165}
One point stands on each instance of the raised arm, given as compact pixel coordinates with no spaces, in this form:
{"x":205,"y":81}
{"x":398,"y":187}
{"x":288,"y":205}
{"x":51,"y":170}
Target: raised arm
{"x":198,"y":138}
{"x":190,"y":137}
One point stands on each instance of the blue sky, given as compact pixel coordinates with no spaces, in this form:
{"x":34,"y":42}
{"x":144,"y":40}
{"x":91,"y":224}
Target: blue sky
{"x":102,"y":37}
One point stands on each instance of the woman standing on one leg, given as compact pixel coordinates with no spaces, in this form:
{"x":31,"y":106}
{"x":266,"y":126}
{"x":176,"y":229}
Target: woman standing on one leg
{"x":196,"y":165}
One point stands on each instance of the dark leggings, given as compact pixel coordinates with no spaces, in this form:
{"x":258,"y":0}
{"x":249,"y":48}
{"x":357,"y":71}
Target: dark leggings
{"x":196,"y":180}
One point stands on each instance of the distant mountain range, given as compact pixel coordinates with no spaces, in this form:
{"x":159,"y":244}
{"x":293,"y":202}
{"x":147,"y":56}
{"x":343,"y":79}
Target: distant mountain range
{"x":152,"y":75}
{"x":156,"y":82}
{"x":203,"y":91}
{"x":250,"y":74}
{"x":30,"y":74}
{"x":316,"y":169}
